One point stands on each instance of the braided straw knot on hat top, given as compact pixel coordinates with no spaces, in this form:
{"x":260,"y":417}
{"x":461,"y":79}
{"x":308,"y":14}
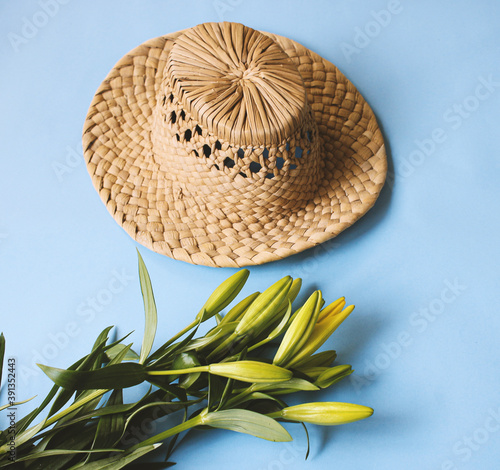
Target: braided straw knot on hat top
{"x":225,"y":146}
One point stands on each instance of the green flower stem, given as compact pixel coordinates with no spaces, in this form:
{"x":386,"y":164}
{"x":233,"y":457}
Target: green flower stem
{"x":274,"y":415}
{"x":180,"y":371}
{"x":75,"y":406}
{"x":190,"y":423}
{"x":58,"y":416}
{"x":181,"y":333}
{"x":235,"y":401}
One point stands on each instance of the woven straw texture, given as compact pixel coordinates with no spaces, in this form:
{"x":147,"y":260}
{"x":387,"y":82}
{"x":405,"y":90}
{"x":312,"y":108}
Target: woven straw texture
{"x":225,"y":146}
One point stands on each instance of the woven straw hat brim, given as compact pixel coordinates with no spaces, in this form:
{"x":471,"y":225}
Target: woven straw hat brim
{"x":213,"y":230}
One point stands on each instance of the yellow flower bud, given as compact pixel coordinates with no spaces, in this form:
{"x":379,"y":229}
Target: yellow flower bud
{"x":239,"y":309}
{"x":264,"y":306}
{"x":299,"y":330}
{"x":324,"y":413}
{"x":223,"y":295}
{"x":250,"y":371}
{"x":321,"y":332}
{"x":332,"y":375}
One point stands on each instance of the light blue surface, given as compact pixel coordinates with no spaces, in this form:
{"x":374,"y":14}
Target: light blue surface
{"x":429,"y":367}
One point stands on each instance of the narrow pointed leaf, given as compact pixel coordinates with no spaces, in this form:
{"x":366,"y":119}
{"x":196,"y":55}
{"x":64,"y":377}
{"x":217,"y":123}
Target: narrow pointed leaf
{"x":99,"y":344}
{"x":109,"y":427}
{"x":115,"y":350}
{"x":2,"y":354}
{"x":122,"y":375}
{"x":8,"y":405}
{"x":117,"y":461}
{"x":56,"y":452}
{"x":149,"y":310}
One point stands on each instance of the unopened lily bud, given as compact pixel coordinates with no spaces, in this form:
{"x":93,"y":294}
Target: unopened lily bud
{"x":289,"y":386}
{"x":313,"y":372}
{"x":321,"y":332}
{"x":333,"y":375}
{"x":299,"y":330}
{"x":264,"y":306}
{"x":324,"y":413}
{"x":292,"y":295}
{"x":223,"y":295}
{"x":239,"y":309}
{"x":250,"y":371}
{"x":322,"y":359}
{"x":331,"y":309}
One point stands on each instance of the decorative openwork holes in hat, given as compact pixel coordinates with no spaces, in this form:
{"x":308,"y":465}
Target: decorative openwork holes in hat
{"x":225,"y":146}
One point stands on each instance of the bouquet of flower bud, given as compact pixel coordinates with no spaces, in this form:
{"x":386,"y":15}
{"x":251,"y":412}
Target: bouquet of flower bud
{"x":233,"y":378}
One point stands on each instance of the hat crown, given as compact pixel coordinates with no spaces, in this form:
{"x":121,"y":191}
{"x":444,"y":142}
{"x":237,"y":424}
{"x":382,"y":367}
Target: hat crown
{"x":238,"y":83}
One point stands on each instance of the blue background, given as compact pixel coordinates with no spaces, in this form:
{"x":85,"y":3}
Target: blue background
{"x":421,"y":267}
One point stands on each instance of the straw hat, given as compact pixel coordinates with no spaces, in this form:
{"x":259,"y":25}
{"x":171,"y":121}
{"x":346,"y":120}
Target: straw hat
{"x":226,"y":146}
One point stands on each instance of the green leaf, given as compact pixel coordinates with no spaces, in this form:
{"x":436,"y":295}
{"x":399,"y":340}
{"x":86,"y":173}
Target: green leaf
{"x":237,"y":401}
{"x":185,"y":361}
{"x":108,"y":410}
{"x":215,"y":337}
{"x":85,"y":363}
{"x":120,"y":355}
{"x":150,"y":465}
{"x":23,"y":437}
{"x":308,"y":442}
{"x":110,"y":427}
{"x":216,"y":387}
{"x":118,"y":348}
{"x":248,"y":422}
{"x":117,"y":461}
{"x":2,"y":354}
{"x":173,"y":390}
{"x":163,"y":355}
{"x":8,"y":405}
{"x":55,"y":452}
{"x":23,"y":423}
{"x":149,"y":309}
{"x":113,"y":376}
{"x":76,"y":437}
{"x":99,"y":343}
